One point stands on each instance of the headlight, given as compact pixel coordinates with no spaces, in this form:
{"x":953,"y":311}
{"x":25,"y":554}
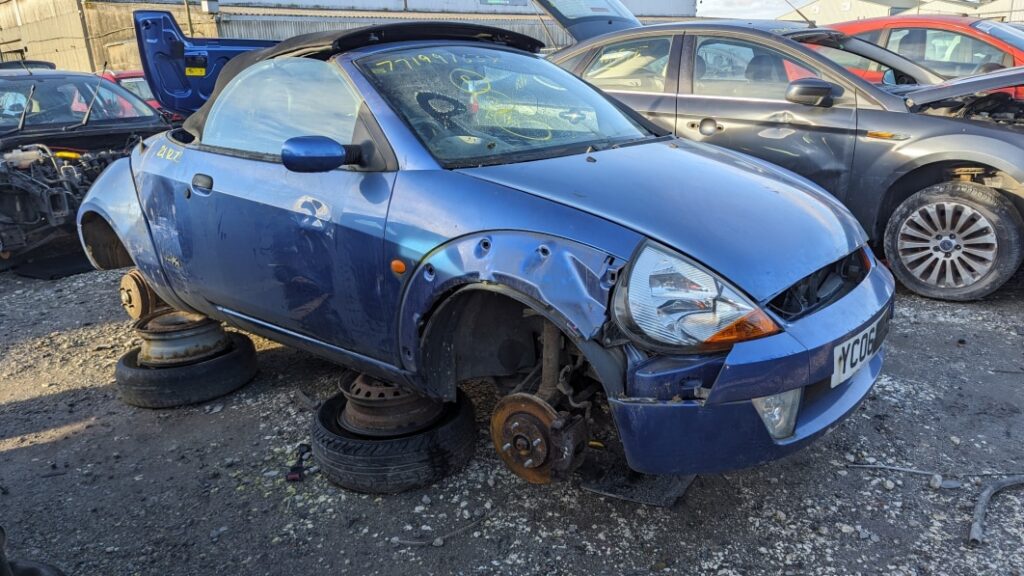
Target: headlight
{"x":670,"y":303}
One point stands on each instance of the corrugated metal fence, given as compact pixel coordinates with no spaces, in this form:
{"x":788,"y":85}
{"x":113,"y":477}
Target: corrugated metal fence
{"x":276,"y":27}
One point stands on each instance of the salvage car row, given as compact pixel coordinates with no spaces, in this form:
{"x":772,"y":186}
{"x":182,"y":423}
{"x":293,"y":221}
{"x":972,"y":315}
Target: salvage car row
{"x":435,"y":204}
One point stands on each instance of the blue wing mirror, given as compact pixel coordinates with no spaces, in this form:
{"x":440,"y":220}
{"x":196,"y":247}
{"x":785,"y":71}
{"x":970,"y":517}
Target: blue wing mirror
{"x":317,"y":154}
{"x":811,"y":92}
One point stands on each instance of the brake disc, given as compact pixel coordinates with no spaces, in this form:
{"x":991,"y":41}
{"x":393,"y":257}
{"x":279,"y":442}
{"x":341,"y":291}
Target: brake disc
{"x":521,"y":429}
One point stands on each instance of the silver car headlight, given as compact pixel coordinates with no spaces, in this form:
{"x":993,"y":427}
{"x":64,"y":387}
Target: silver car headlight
{"x":670,"y":303}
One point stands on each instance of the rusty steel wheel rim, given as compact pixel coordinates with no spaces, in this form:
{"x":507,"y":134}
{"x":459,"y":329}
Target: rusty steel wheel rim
{"x":378,"y":409}
{"x":175,"y":338}
{"x":947,"y":245}
{"x":521,"y":433}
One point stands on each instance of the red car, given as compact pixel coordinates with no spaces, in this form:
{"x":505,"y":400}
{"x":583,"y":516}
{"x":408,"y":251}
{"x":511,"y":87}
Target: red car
{"x":135,"y":82}
{"x":951,"y":46}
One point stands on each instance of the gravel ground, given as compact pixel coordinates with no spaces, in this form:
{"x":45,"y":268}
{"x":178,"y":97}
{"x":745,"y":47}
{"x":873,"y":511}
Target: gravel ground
{"x":97,"y":487}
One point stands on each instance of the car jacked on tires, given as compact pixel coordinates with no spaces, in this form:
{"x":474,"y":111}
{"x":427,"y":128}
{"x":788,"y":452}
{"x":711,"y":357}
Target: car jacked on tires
{"x":431,"y":205}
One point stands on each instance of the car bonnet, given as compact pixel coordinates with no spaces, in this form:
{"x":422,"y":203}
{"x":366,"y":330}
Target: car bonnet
{"x":966,"y":86}
{"x":760,"y":227}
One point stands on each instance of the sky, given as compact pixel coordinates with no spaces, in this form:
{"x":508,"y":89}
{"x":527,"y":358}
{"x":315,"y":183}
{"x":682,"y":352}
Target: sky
{"x":745,"y":8}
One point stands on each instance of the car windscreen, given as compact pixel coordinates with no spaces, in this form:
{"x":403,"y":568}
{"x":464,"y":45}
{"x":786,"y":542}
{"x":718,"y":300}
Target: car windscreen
{"x":1012,"y":35}
{"x":62,"y":100}
{"x":475,"y":106}
{"x":137,"y":86}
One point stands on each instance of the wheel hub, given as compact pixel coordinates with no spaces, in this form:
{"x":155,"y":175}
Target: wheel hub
{"x":521,"y":430}
{"x":174,"y":338}
{"x":378,"y":409}
{"x":137,"y":298}
{"x":947,"y":244}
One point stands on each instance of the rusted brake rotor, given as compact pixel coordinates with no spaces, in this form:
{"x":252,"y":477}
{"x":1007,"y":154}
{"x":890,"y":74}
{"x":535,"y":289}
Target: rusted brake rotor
{"x":174,"y":337}
{"x":521,"y":432}
{"x":378,"y":409}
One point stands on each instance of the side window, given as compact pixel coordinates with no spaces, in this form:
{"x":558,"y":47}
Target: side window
{"x":959,"y":54}
{"x":735,"y":68}
{"x":280,"y":99}
{"x":638,"y":65}
{"x":870,"y":36}
{"x":570,"y":63}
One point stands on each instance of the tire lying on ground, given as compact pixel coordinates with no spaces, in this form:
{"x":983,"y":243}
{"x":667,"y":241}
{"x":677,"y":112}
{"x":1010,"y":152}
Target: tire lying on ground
{"x":193,"y":383}
{"x":937,"y":234}
{"x":393,"y":465}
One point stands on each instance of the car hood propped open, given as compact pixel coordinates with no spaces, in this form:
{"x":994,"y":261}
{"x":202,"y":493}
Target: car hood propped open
{"x":761,"y":228}
{"x":965,"y":86}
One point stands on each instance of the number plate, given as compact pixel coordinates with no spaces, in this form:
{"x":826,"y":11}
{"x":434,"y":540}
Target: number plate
{"x":855,"y":352}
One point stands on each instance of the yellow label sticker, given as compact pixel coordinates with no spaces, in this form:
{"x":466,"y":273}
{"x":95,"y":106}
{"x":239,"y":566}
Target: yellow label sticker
{"x":195,"y":71}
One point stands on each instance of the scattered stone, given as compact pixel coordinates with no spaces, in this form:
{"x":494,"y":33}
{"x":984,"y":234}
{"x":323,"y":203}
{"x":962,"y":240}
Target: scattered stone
{"x":889,"y":484}
{"x":438,"y":542}
{"x":425,"y":500}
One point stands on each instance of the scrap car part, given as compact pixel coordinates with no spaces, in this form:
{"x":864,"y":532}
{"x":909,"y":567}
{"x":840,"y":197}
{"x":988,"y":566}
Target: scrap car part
{"x":175,"y":338}
{"x":537,"y":443}
{"x":137,"y":298}
{"x":379,"y":409}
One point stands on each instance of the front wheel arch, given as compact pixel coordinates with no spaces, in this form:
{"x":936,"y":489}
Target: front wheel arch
{"x":102,"y":245}
{"x":483,"y":330}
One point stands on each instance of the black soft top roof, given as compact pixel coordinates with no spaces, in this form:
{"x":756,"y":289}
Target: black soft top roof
{"x":326,"y":44}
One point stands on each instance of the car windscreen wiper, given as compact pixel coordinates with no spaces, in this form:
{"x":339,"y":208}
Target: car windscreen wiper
{"x":88,"y":111}
{"x":24,"y":113}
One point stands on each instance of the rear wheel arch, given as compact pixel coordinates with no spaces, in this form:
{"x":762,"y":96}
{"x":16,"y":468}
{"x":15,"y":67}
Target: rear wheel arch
{"x":102,"y":244}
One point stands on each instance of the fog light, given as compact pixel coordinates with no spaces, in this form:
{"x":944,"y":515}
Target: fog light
{"x":778,"y":412}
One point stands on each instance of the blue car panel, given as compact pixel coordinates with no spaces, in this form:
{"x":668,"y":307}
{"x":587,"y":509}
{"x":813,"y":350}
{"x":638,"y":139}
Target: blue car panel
{"x":359,"y":264}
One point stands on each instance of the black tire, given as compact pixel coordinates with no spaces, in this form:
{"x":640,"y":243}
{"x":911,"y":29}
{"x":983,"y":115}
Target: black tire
{"x":1006,"y":224}
{"x":393,"y":465}
{"x":189,"y":384}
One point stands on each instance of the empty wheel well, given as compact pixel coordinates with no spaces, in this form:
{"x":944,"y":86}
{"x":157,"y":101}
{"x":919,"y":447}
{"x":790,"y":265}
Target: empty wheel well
{"x":477,"y":334}
{"x":930,"y":174}
{"x":103,"y":244}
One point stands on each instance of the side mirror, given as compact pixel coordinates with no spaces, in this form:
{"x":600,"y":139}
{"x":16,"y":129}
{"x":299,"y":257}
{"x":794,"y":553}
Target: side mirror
{"x":810,"y":92}
{"x":889,"y":78}
{"x":317,"y":154}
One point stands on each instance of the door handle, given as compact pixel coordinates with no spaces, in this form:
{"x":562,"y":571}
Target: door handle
{"x":706,"y":126}
{"x":201,"y":184}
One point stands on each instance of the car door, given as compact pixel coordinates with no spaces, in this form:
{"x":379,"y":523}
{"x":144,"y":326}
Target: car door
{"x":951,"y":54}
{"x":642,"y":71}
{"x":733,"y":94}
{"x":241,"y":234}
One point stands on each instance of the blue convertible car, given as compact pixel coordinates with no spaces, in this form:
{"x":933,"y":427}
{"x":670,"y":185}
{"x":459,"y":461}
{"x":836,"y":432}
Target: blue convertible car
{"x":436,"y":204}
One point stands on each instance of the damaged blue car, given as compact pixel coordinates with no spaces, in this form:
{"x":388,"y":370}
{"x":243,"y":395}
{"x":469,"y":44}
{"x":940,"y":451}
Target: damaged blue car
{"x":434,"y":205}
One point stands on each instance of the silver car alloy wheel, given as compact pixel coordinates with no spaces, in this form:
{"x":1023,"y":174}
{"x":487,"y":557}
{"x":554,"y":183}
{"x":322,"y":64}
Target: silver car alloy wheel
{"x":947,"y":244}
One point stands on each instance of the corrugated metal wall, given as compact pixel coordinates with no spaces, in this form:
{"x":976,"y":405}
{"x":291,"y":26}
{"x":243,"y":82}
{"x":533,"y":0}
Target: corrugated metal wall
{"x":44,"y":30}
{"x":677,"y":8}
{"x":277,"y":27}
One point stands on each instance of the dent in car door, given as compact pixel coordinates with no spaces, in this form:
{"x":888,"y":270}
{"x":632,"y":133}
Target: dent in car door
{"x":302,"y":252}
{"x":733,"y":95}
{"x":642,"y":72}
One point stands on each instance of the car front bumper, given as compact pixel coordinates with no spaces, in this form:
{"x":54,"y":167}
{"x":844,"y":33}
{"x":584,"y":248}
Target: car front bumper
{"x":664,"y":433}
